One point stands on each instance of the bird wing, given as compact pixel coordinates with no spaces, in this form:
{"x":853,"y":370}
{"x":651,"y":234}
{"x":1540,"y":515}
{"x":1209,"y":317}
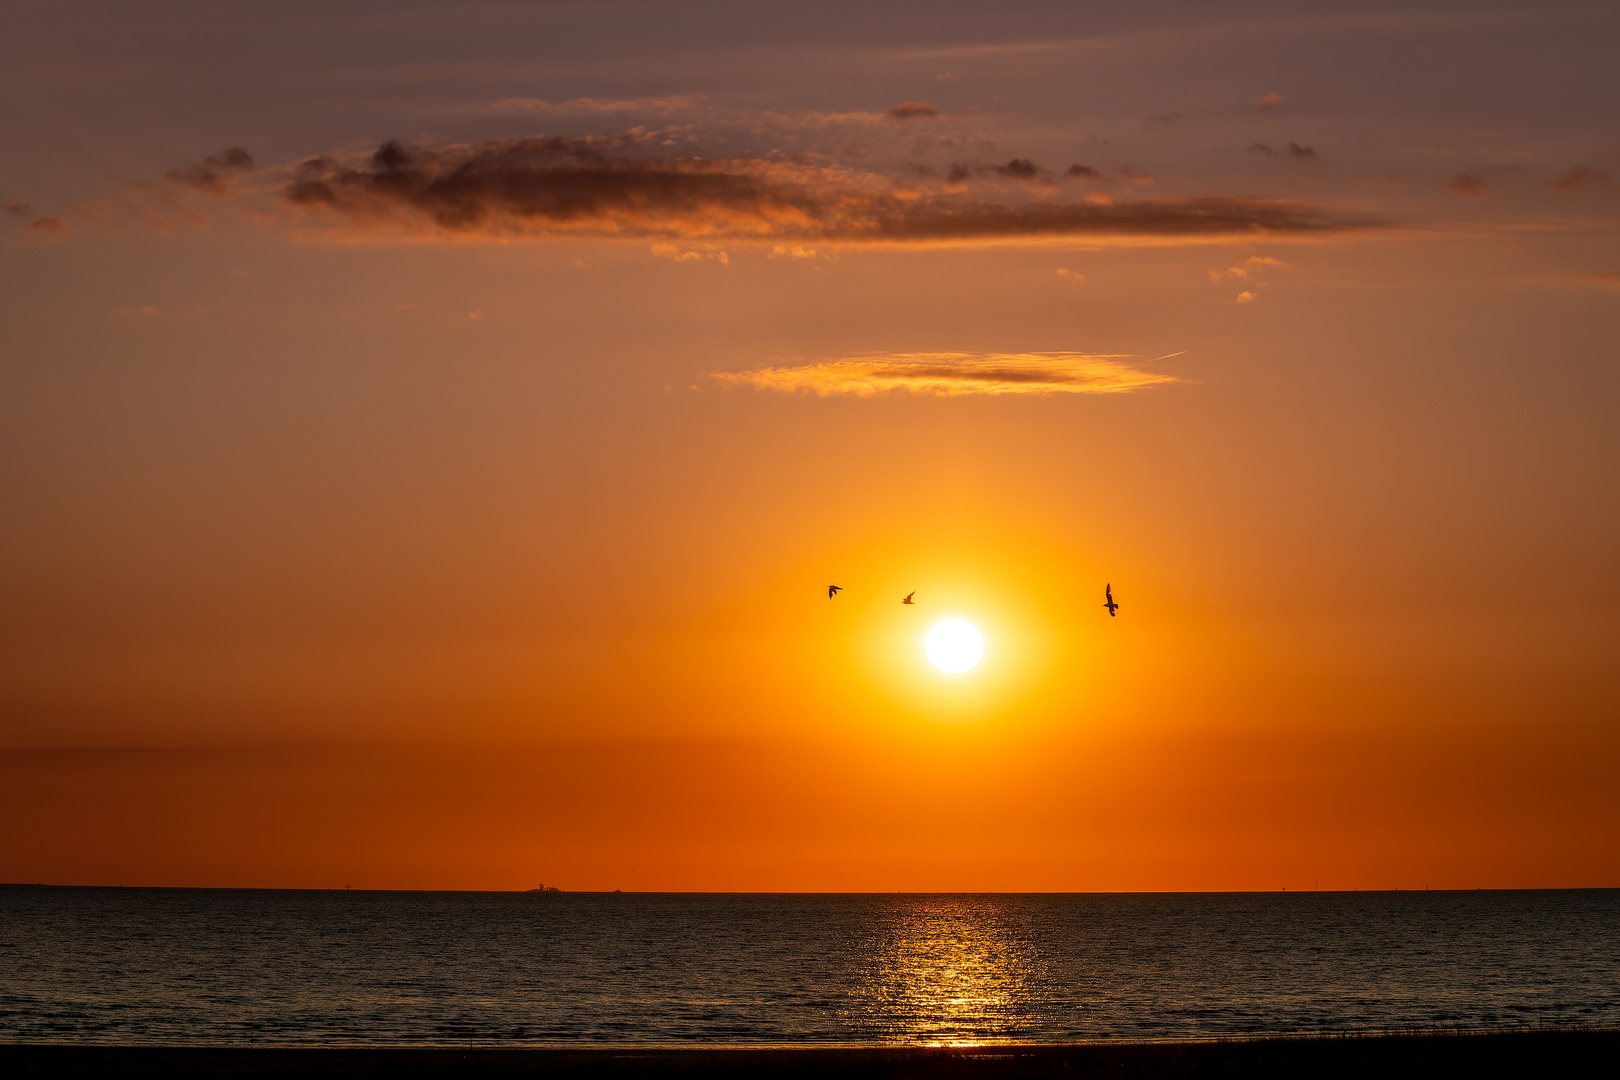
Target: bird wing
{"x":909,"y":595}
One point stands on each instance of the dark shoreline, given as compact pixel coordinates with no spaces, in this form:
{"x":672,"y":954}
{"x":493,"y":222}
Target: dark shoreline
{"x":1521,"y":1053}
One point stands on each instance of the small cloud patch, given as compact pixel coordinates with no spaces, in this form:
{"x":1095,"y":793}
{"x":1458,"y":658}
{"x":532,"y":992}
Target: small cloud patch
{"x":1302,"y":154}
{"x":1252,"y":272}
{"x":912,"y":110}
{"x":1468,"y":186}
{"x":1018,"y":169}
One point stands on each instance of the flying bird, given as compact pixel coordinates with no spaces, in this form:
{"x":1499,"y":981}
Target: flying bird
{"x":909,"y":595}
{"x":833,"y":590}
{"x":1108,"y":602}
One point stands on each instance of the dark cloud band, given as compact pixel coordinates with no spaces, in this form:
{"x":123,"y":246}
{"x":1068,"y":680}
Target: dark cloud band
{"x":566,"y":186}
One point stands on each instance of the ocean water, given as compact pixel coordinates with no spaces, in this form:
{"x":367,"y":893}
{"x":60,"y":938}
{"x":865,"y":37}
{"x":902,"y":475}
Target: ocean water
{"x":269,"y":967}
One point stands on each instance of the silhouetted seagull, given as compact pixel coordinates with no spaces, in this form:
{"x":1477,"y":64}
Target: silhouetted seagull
{"x":833,"y":590}
{"x":1108,"y":592}
{"x":909,"y":595}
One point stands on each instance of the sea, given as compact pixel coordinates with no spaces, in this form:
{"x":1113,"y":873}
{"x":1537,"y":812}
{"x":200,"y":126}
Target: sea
{"x":242,"y":967}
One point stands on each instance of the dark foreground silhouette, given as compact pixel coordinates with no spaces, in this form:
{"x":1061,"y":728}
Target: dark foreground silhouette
{"x":1375,"y":1057}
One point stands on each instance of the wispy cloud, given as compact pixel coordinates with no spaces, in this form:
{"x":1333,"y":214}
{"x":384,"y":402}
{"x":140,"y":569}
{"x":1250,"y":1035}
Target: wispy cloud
{"x":214,"y":173}
{"x":548,"y":186}
{"x":954,"y":374}
{"x":53,"y":227}
{"x":1253,"y":265}
{"x":707,"y":252}
{"x":1583,"y":178}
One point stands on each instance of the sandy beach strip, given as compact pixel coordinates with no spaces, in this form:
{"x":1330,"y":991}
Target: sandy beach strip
{"x":1526,"y":1053}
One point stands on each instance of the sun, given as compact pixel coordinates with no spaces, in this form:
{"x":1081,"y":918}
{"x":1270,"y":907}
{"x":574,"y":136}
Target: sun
{"x":954,"y":646}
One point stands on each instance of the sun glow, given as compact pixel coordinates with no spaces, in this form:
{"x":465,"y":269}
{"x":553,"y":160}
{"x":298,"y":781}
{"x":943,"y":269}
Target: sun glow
{"x":954,"y":646}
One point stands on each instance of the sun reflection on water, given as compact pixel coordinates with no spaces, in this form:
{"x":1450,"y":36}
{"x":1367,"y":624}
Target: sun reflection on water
{"x":951,"y":971}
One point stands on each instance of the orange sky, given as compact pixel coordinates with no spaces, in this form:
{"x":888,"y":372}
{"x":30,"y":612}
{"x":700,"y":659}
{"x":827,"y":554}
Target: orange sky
{"x":460,"y":516}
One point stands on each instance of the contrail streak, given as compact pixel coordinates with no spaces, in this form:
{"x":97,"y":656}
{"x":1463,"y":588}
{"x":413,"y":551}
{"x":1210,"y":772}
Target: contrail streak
{"x":1167,"y":356}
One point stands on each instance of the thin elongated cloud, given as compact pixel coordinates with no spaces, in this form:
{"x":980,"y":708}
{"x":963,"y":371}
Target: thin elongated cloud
{"x":557,"y":186}
{"x":672,"y":103}
{"x":954,"y":374}
{"x":912,"y":110}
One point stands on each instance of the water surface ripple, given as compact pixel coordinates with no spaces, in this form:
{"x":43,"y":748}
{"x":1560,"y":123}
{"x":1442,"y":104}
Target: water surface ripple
{"x":267,"y":967}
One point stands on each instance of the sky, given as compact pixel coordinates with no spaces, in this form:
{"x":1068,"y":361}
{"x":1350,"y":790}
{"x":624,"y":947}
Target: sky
{"x":428,"y":432}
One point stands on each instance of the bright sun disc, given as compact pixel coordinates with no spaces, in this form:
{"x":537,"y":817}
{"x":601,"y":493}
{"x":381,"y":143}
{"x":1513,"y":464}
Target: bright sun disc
{"x":954,"y":646}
